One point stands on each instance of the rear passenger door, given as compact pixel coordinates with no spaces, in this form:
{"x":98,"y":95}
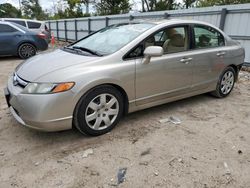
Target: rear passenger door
{"x":208,"y":55}
{"x":8,"y":39}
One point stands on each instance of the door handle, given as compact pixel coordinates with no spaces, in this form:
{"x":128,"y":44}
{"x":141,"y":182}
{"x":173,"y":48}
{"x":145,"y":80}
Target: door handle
{"x":186,"y":60}
{"x":221,"y":53}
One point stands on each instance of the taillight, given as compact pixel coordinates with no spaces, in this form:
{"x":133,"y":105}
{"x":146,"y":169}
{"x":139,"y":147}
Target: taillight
{"x":41,"y":35}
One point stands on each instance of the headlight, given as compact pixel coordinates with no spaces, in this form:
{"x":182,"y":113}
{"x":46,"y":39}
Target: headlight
{"x":44,"y":88}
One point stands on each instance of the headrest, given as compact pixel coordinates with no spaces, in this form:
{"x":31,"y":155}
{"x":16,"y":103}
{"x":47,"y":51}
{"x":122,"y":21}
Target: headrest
{"x":177,"y":40}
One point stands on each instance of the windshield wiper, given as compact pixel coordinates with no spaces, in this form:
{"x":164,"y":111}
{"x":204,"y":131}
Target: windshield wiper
{"x":71,"y":49}
{"x":87,"y":50}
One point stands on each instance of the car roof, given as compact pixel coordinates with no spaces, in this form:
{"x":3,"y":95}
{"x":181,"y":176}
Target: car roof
{"x":161,"y":22}
{"x":171,"y":21}
{"x":20,"y":19}
{"x":180,"y":21}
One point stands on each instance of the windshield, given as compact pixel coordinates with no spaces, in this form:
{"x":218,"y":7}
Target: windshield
{"x":112,"y":38}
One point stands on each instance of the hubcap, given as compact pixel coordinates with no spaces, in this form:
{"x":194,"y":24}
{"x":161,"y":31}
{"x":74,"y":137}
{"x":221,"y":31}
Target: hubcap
{"x":27,"y":51}
{"x":227,"y":82}
{"x":102,"y":111}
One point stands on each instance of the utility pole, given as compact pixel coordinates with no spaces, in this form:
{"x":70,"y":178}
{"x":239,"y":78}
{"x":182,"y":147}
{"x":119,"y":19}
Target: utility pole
{"x":87,"y":3}
{"x":142,"y":4}
{"x":20,"y":6}
{"x":87,"y":6}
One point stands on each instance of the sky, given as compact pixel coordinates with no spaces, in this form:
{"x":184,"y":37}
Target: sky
{"x":48,"y":4}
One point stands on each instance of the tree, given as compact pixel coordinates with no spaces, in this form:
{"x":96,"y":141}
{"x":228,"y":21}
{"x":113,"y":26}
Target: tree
{"x":9,"y":11}
{"x":69,"y":9}
{"x":158,"y":5}
{"x":188,"y":3}
{"x":108,"y":7}
{"x":74,"y":9}
{"x":206,"y":3}
{"x":165,"y":5}
{"x":32,"y":9}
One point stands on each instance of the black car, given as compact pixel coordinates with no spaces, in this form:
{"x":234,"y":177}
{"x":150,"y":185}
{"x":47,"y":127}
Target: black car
{"x":17,"y":40}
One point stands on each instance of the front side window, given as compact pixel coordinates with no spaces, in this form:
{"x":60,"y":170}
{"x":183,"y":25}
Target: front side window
{"x":172,"y":39}
{"x":6,"y":28}
{"x":136,"y":52}
{"x":207,"y":37}
{"x":112,"y":38}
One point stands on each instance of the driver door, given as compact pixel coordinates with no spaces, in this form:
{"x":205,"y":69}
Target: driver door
{"x":169,"y":75}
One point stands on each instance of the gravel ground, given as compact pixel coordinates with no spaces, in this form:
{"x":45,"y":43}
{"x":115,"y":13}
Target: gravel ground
{"x":210,"y":148}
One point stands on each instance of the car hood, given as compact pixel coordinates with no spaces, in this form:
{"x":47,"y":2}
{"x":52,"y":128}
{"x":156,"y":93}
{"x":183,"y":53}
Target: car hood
{"x":40,"y":65}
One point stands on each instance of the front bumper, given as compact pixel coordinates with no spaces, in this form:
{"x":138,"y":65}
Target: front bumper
{"x":47,"y":112}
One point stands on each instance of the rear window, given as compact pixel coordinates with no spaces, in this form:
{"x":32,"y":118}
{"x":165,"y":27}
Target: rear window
{"x":6,"y":28}
{"x":33,"y":25}
{"x":20,"y":22}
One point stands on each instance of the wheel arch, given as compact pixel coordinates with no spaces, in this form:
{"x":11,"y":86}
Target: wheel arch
{"x":236,"y":69}
{"x":124,"y":94}
{"x":116,"y":86}
{"x":29,"y":42}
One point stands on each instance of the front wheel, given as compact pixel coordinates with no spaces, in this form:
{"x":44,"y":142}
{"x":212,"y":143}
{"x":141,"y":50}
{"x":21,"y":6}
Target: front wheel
{"x":26,"y":50}
{"x":225,"y":83}
{"x":98,"y":111}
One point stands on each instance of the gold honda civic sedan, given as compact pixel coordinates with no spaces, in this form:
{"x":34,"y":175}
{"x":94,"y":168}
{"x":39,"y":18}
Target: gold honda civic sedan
{"x":122,"y":68}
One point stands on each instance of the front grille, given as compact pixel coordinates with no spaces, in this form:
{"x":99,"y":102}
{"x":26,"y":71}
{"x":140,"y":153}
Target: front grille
{"x":17,"y":81}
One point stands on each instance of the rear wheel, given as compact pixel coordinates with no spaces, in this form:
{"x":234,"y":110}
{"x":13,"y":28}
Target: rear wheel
{"x":26,"y":50}
{"x":226,"y":83}
{"x":99,"y":111}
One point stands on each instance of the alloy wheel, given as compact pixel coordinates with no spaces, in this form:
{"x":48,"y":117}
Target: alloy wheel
{"x":27,"y":51}
{"x":227,"y":82}
{"x":102,"y":111}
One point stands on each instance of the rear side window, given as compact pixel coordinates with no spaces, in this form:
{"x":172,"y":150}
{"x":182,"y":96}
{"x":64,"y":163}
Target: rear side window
{"x":33,"y":25}
{"x":20,"y":22}
{"x":6,"y":29}
{"x":207,"y":37}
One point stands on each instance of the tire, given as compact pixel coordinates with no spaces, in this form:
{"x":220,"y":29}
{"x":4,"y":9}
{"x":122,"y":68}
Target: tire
{"x":98,"y":111}
{"x":26,"y":50}
{"x":225,"y":83}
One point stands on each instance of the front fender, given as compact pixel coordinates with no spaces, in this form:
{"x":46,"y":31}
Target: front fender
{"x":83,"y":89}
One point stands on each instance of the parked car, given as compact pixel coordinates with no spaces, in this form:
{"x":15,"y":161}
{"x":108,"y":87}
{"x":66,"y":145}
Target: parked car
{"x":19,"y":41}
{"x":33,"y":25}
{"x":123,"y":68}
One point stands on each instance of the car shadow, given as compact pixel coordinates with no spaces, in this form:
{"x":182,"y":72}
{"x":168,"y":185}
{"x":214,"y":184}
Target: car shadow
{"x":132,"y":128}
{"x":123,"y":128}
{"x":9,"y":58}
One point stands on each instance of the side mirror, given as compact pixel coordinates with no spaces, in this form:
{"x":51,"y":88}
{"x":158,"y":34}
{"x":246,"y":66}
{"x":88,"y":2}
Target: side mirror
{"x":152,"y":51}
